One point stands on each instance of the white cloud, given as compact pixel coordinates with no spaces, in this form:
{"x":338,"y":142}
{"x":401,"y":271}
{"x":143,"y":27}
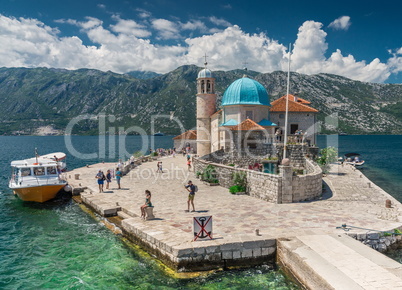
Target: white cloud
{"x":129,"y":27}
{"x":341,"y":23}
{"x":143,"y":13}
{"x":219,"y":21}
{"x":309,"y":57}
{"x":101,"y":6}
{"x":166,"y":29}
{"x":194,"y":25}
{"x":395,"y":62}
{"x":121,"y":48}
{"x":262,"y":53}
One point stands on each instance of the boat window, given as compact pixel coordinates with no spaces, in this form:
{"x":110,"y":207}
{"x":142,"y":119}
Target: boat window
{"x":25,"y":171}
{"x":39,"y":171}
{"x":51,"y":170}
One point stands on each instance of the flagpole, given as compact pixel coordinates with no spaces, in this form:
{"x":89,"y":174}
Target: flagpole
{"x":285,"y":140}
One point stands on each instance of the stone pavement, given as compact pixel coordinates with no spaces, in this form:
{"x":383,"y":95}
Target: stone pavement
{"x":338,"y":262}
{"x":349,"y":199}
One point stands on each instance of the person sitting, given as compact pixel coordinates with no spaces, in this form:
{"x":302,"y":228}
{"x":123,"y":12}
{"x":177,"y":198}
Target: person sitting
{"x":147,"y":203}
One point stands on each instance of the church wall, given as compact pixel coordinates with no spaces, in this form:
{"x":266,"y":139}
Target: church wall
{"x":215,"y":138}
{"x":231,"y":112}
{"x":306,"y":122}
{"x":259,"y":113}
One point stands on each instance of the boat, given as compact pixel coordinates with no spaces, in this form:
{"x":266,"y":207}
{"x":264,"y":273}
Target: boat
{"x":38,"y":179}
{"x":159,"y":134}
{"x":353,"y":159}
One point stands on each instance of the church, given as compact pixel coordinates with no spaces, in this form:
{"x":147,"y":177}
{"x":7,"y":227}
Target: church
{"x":246,"y":119}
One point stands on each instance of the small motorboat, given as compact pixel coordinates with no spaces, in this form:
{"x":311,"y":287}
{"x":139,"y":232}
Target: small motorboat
{"x":39,"y":178}
{"x":353,"y":159}
{"x":159,"y":134}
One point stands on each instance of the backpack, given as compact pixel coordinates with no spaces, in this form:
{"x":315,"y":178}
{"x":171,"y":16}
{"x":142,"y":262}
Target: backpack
{"x":195,"y":188}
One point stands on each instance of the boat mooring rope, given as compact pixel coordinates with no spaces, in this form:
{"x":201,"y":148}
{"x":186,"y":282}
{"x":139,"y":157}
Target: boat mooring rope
{"x":347,"y":228}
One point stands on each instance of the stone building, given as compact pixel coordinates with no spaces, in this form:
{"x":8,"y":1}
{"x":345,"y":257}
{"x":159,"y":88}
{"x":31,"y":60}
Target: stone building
{"x":246,"y":119}
{"x":301,"y":118}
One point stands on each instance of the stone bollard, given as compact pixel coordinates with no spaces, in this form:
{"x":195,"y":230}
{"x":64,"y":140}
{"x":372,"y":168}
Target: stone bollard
{"x":76,"y":176}
{"x":150,"y":212}
{"x":388,"y":203}
{"x":369,"y":184}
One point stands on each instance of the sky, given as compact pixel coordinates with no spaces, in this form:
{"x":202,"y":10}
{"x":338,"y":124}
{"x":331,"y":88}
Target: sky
{"x":355,"y":39}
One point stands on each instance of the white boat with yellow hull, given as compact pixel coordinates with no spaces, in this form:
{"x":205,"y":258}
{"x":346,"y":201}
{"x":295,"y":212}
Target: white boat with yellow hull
{"x":40,"y":178}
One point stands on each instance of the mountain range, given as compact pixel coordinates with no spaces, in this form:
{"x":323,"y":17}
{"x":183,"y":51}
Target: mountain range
{"x":46,"y":100}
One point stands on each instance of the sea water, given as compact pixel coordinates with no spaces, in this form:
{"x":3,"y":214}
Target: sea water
{"x":59,"y":245}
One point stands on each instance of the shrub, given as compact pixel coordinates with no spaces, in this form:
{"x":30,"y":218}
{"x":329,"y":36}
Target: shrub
{"x":239,"y":180}
{"x":236,"y":188}
{"x":231,"y":165}
{"x":209,"y":174}
{"x":326,"y":157}
{"x":155,"y":154}
{"x":138,"y":154}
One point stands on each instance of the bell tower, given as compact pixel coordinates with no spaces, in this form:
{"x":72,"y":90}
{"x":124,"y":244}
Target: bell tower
{"x":206,"y":106}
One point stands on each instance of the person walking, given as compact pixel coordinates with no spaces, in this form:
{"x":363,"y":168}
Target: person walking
{"x":100,"y":177}
{"x":119,"y":175}
{"x":108,"y":178}
{"x":191,"y":189}
{"x":189,"y":164}
{"x":159,"y":165}
{"x":147,"y":203}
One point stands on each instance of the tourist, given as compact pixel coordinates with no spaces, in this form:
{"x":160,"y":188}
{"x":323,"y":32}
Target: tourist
{"x":108,"y":178}
{"x":278,"y":134}
{"x":100,"y":177}
{"x":159,"y":165}
{"x":189,"y":164}
{"x":118,"y":177}
{"x":191,"y":189}
{"x":183,"y":151}
{"x":120,"y":165}
{"x":147,"y":203}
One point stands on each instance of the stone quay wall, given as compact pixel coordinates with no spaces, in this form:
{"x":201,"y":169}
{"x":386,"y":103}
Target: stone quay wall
{"x":378,"y":241}
{"x":203,"y":255}
{"x":307,"y":186}
{"x":283,"y":188}
{"x":261,"y":185}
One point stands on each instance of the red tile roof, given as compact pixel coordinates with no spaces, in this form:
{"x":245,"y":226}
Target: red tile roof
{"x":279,"y":105}
{"x":189,"y":135}
{"x":297,"y":99}
{"x":247,"y":125}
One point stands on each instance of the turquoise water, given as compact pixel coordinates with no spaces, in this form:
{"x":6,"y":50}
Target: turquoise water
{"x":58,"y":245}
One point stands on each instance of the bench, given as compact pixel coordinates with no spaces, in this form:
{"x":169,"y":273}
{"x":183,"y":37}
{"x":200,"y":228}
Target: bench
{"x":149,"y":213}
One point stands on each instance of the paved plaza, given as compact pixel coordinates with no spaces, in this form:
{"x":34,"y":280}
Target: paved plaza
{"x":349,"y":198}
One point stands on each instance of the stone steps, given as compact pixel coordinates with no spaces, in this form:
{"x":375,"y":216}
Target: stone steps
{"x":338,"y":262}
{"x":123,"y":215}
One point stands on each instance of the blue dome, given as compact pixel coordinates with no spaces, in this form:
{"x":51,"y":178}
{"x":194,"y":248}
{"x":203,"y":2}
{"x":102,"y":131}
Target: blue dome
{"x":245,"y":91}
{"x":205,"y":73}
